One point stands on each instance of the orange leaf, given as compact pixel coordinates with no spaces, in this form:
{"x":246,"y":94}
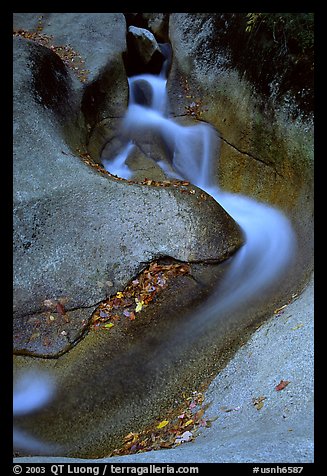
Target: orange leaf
{"x":132,"y":316}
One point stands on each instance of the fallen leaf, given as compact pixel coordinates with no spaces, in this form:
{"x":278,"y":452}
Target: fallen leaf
{"x":188,"y":422}
{"x":120,"y":295}
{"x":115,"y":317}
{"x":109,"y":325}
{"x":282,"y":384}
{"x":258,"y":402}
{"x":298,"y":326}
{"x":34,"y":336}
{"x":131,"y":436}
{"x":165,"y":444}
{"x":186,"y":436}
{"x":226,"y":409}
{"x":199,"y":414}
{"x":276,"y":311}
{"x":139,"y":305}
{"x":162,"y":424}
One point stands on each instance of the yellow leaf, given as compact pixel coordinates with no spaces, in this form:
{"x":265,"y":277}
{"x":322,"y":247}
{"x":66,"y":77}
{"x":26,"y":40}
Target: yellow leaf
{"x":188,"y":422}
{"x":110,"y":324}
{"x":276,"y":311}
{"x":139,"y":305}
{"x":163,"y":423}
{"x":120,"y":295}
{"x":259,"y":405}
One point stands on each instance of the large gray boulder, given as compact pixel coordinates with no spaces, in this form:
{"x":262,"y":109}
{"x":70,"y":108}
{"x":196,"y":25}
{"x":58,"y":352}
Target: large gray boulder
{"x":144,"y":53}
{"x":93,"y":45}
{"x":80,"y":235}
{"x":144,"y":42}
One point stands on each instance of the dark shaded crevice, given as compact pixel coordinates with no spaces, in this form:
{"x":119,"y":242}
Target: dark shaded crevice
{"x":134,"y":66}
{"x":277,"y":55}
{"x":133,"y":61}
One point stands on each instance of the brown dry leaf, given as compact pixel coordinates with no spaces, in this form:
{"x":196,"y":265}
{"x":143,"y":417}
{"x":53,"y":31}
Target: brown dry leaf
{"x":60,"y":308}
{"x":131,"y":436}
{"x":282,"y":384}
{"x":34,"y":336}
{"x":199,"y":414}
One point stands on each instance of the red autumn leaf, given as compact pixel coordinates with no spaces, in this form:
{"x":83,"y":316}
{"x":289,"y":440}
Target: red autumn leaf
{"x":60,"y":309}
{"x":282,"y":384}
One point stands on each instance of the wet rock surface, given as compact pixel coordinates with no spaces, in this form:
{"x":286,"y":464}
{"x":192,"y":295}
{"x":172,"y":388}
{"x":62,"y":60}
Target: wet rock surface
{"x":119,"y":379}
{"x":76,"y":229}
{"x":286,"y":418}
{"x":266,"y":152}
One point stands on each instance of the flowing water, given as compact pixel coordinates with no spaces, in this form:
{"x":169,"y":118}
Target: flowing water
{"x":191,"y":153}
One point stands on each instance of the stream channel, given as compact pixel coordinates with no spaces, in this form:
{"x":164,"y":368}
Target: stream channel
{"x":268,"y":251}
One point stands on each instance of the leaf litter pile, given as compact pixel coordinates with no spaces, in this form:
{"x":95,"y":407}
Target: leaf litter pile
{"x":181,"y":423}
{"x":183,"y":185}
{"x":72,"y":59}
{"x":179,"y":427}
{"x":137,"y":295}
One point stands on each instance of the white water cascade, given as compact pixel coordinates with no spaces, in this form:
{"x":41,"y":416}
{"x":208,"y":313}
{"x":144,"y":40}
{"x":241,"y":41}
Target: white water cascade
{"x":269,"y":238}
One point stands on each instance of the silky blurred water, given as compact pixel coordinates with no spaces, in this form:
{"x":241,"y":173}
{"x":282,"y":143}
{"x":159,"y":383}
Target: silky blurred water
{"x":192,"y":155}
